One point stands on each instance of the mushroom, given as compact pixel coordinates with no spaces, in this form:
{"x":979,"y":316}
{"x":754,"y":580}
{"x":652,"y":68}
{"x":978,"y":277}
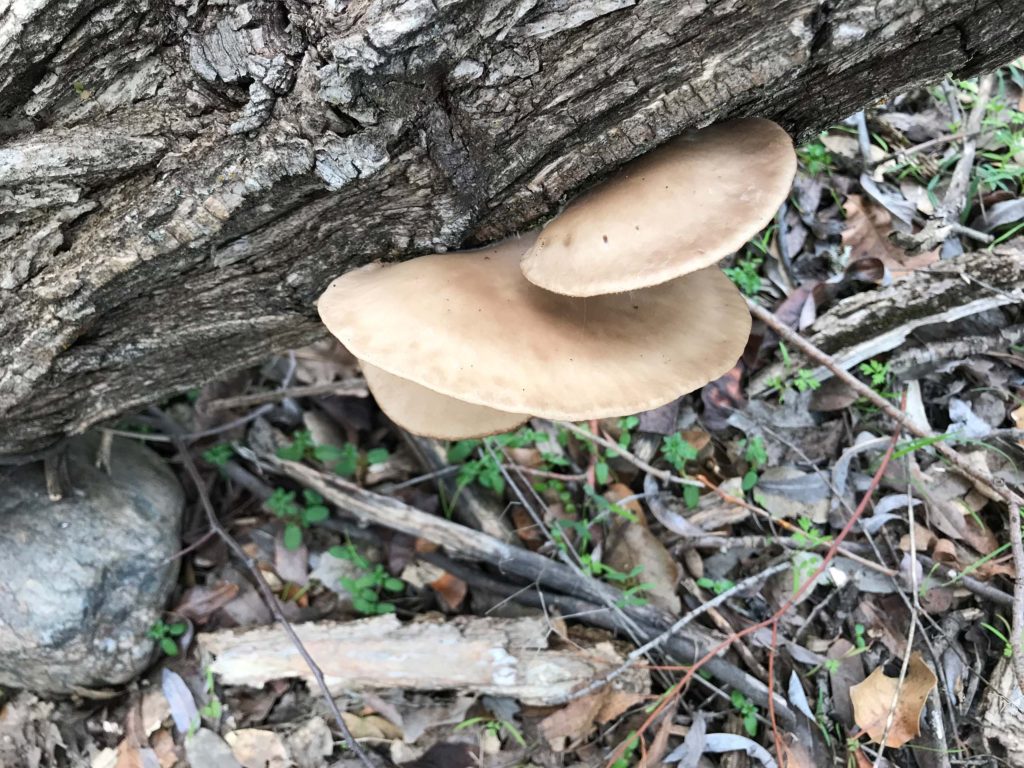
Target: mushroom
{"x":678,"y":209}
{"x":471,"y":327}
{"x":423,"y":411}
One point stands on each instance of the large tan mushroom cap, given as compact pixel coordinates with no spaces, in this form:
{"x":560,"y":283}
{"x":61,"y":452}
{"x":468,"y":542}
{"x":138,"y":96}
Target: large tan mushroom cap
{"x":680,"y":208}
{"x":431,"y":414}
{"x":470,"y":326}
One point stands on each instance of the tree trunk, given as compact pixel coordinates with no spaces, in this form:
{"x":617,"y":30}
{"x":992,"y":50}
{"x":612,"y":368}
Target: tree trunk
{"x":179,"y":179}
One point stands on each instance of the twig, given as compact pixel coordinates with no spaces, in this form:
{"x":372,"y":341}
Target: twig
{"x":956,"y":192}
{"x":658,"y":641}
{"x":264,"y":588}
{"x":908,"y":151}
{"x":662,"y":474}
{"x":375,"y":509}
{"x":915,"y":610}
{"x":994,"y":486}
{"x":773,"y":620}
{"x":349,"y":388}
{"x":590,"y":613}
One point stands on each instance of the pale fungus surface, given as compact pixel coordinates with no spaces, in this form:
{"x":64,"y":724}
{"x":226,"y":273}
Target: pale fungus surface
{"x":470,"y":326}
{"x":681,"y":208}
{"x":423,"y":411}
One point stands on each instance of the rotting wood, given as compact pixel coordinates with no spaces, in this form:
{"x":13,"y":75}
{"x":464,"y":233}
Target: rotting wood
{"x":497,"y":657}
{"x":178,"y":181}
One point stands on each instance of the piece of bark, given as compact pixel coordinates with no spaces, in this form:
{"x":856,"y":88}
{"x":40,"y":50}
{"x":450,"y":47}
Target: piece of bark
{"x":873,"y":323}
{"x":179,"y":181}
{"x":497,"y":657}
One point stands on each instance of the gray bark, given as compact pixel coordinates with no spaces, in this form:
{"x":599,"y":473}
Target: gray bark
{"x":179,"y":179}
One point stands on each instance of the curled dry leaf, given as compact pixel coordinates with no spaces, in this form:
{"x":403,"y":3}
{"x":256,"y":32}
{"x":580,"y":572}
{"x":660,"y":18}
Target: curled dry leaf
{"x":867,"y":234}
{"x":873,"y":698}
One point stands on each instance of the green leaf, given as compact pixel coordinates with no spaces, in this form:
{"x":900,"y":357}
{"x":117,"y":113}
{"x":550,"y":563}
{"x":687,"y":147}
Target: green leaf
{"x":459,"y":451}
{"x":750,"y":724}
{"x":302,"y":441}
{"x":691,"y":495}
{"x":391,"y":584}
{"x":601,"y":472}
{"x":749,"y":479}
{"x":315,"y":514}
{"x":385,"y":608}
{"x":219,"y":455}
{"x":361,"y":606}
{"x":282,"y":503}
{"x":177,"y":629}
{"x":168,"y":646}
{"x":292,"y":536}
{"x":377,"y":455}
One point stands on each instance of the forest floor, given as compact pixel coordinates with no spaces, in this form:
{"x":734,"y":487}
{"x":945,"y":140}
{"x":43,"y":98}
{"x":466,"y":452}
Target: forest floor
{"x":625,"y":592}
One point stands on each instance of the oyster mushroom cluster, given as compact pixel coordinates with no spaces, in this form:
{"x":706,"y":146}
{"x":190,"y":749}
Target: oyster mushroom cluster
{"x":612,"y":308}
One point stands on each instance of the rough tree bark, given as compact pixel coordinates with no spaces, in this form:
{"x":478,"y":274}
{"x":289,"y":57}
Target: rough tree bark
{"x":179,"y":179}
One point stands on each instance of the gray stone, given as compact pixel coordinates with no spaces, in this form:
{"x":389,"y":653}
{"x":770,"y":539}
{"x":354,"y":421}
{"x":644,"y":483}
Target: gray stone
{"x":83,"y":579}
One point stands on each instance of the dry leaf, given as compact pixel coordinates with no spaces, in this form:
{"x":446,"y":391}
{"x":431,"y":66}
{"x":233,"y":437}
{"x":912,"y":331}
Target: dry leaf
{"x":199,"y":603}
{"x":848,"y":147}
{"x":659,"y":744}
{"x":255,"y":748}
{"x":572,"y":722}
{"x":867,"y":234}
{"x":165,"y":749}
{"x":872,"y":700}
{"x":450,"y":589}
{"x":129,"y":755}
{"x":793,"y":754}
{"x":632,"y":545}
{"x":371,"y":727}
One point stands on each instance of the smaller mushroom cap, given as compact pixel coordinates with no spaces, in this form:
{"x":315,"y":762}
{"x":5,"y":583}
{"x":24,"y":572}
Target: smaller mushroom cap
{"x":425,"y":412}
{"x":680,"y":208}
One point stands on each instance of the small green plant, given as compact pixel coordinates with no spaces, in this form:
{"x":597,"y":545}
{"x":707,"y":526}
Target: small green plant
{"x":485,"y":470}
{"x":631,"y":744}
{"x":808,"y":536}
{"x":860,"y":637}
{"x":805,"y":380}
{"x":495,"y":726}
{"x":219,"y":455}
{"x":213,"y":708}
{"x":802,"y":380}
{"x":756,"y":456}
{"x":593,"y":567}
{"x":83,"y":93}
{"x":344,"y":461}
{"x":746,"y":709}
{"x":366,"y":590}
{"x":166,"y":635}
{"x":296,"y":517}
{"x":877,"y":372}
{"x":815,"y":157}
{"x":746,"y":274}
{"x":677,"y":451}
{"x":718,"y":586}
{"x":1004,"y":637}
{"x":300,"y":446}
